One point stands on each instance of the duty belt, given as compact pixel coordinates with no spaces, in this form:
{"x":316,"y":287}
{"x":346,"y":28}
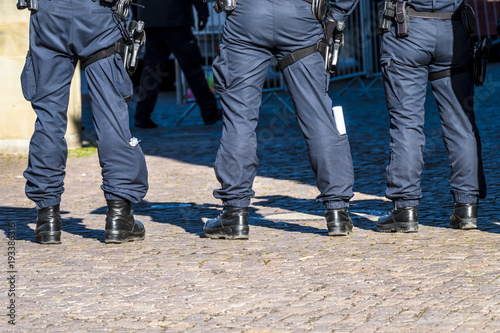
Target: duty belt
{"x":456,"y":15}
{"x":402,"y":12}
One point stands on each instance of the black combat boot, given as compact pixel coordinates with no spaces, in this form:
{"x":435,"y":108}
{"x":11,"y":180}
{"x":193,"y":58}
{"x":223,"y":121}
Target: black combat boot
{"x":232,"y":223}
{"x":464,"y":216}
{"x":399,"y":220}
{"x":338,"y":222}
{"x":120,"y":224}
{"x":48,"y":225}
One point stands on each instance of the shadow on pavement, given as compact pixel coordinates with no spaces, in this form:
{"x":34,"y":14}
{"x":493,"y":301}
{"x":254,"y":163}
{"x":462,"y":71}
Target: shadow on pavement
{"x":282,"y":150}
{"x":25,"y":221}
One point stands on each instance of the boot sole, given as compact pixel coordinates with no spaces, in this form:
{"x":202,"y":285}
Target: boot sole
{"x":118,"y":237}
{"x":339,"y":231}
{"x":48,"y":237}
{"x":403,"y":227}
{"x":466,"y":224}
{"x":239,"y":232}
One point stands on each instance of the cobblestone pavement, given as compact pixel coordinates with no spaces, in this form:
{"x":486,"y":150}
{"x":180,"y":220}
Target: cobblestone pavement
{"x":290,"y":276}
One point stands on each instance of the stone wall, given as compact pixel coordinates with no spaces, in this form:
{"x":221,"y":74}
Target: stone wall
{"x":16,"y":115}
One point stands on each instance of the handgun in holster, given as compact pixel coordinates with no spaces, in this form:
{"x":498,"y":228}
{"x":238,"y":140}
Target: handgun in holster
{"x":480,"y":60}
{"x":130,"y":49}
{"x":332,"y":52}
{"x":31,"y":5}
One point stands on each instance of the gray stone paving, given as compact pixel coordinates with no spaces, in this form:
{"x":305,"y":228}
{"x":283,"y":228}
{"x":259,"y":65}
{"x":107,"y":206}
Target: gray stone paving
{"x":289,"y":276}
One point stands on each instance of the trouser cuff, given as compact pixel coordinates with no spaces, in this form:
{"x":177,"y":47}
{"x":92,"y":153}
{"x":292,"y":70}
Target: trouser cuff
{"x":336,"y":204}
{"x":48,"y":203}
{"x":465,"y":198}
{"x":405,"y":203}
{"x":240,"y":203}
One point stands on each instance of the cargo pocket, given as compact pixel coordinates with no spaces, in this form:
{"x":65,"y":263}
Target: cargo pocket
{"x":121,"y":80}
{"x":28,"y":81}
{"x":220,"y":70}
{"x":386,"y":66}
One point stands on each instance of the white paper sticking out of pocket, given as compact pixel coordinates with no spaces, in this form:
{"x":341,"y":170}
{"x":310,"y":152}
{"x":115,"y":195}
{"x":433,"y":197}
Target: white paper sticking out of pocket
{"x":339,"y":119}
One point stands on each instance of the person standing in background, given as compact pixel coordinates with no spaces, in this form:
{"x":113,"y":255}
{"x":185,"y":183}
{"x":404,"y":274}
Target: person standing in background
{"x":168,"y":29}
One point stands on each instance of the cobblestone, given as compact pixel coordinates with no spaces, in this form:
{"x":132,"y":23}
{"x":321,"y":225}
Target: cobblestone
{"x":289,"y":276}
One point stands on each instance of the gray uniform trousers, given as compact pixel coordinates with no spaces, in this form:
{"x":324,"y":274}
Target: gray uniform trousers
{"x":61,"y":32}
{"x":253,"y":33}
{"x":432,"y":46}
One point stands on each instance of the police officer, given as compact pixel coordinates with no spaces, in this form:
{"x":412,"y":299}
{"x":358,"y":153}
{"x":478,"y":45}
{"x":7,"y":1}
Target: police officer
{"x":61,"y":33}
{"x":428,"y":40}
{"x":168,"y":27}
{"x":254,"y":32}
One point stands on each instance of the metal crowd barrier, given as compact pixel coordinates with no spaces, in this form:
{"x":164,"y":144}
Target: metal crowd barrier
{"x":361,"y":49}
{"x":208,"y":41}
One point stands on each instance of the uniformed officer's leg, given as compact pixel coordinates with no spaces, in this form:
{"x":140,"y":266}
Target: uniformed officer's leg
{"x":46,"y":82}
{"x":405,"y":95}
{"x":155,"y":58}
{"x":405,"y":82}
{"x":239,"y":74}
{"x":329,"y":151}
{"x":48,"y":149}
{"x":461,"y":137}
{"x":454,"y":96}
{"x":122,"y":161}
{"x":125,"y":177}
{"x":187,"y":52}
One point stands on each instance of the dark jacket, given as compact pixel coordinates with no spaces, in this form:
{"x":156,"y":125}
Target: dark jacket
{"x":170,"y":13}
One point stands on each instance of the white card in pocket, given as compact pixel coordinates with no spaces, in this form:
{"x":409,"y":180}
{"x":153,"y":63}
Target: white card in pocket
{"x":339,"y":119}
